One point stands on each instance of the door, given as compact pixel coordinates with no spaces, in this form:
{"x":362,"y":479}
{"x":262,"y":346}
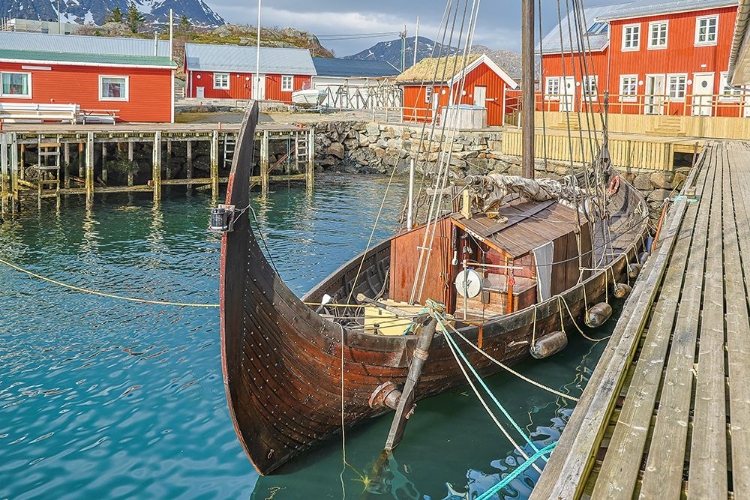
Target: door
{"x":746,"y":97}
{"x":703,"y":91}
{"x":259,"y":87}
{"x":480,"y":97}
{"x":567,"y":99}
{"x":654,"y":95}
{"x":200,"y":92}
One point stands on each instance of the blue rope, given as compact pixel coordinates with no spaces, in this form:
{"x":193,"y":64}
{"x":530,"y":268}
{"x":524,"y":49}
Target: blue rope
{"x":510,"y":477}
{"x":487,"y":389}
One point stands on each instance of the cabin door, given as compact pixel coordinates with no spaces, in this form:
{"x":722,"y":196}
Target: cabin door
{"x":480,"y":97}
{"x":654,"y":95}
{"x":259,"y":87}
{"x":200,"y":92}
{"x":703,"y":91}
{"x":746,"y":92}
{"x":567,"y":99}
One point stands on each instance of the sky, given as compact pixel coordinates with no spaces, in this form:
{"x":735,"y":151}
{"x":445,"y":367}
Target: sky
{"x":498,"y":25}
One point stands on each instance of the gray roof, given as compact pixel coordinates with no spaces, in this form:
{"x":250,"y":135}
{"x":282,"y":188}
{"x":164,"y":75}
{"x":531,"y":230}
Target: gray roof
{"x":241,"y":59}
{"x":352,"y":68}
{"x":551,"y":42}
{"x":102,"y":45}
{"x":644,"y":8}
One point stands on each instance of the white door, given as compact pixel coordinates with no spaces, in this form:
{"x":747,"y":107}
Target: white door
{"x":746,"y":98}
{"x":480,"y":97}
{"x":654,"y":95}
{"x":703,"y":90}
{"x":567,"y":99}
{"x":259,"y":87}
{"x":200,"y":92}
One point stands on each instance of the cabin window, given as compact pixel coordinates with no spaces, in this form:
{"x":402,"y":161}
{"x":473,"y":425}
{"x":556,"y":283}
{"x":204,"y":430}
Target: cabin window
{"x":113,"y":88}
{"x":677,"y":86}
{"x":588,"y":89}
{"x":628,"y":88}
{"x":631,"y":37}
{"x":16,"y":85}
{"x":729,"y":93}
{"x":657,"y":35}
{"x":552,"y":89}
{"x":221,"y":81}
{"x":428,"y":94}
{"x":705,"y":30}
{"x":287,"y":83}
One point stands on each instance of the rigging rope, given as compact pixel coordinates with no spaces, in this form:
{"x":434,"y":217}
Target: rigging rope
{"x":510,"y":477}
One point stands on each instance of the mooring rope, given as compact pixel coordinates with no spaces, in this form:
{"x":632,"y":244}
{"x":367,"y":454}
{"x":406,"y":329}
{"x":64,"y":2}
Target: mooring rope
{"x":521,"y":468}
{"x":103,"y":294}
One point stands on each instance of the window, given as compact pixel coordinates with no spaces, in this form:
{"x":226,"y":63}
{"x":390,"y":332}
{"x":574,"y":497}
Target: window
{"x":552,"y":89}
{"x":221,"y":81}
{"x":287,"y":83}
{"x":631,"y":37}
{"x":113,"y":88}
{"x":657,"y":35}
{"x":588,"y":90}
{"x":16,"y":85}
{"x":705,"y":30}
{"x":428,"y":94}
{"x":677,"y":85}
{"x":628,"y":88}
{"x":598,"y":28}
{"x":729,"y":93}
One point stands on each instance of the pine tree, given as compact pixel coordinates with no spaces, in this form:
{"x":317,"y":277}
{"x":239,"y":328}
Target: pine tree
{"x":135,"y":18}
{"x":115,"y":16}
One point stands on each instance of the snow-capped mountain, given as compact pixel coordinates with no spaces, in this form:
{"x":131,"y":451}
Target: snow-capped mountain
{"x":391,"y":51}
{"x":97,"y":11}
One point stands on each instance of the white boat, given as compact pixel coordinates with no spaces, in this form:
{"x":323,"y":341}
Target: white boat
{"x":308,"y":98}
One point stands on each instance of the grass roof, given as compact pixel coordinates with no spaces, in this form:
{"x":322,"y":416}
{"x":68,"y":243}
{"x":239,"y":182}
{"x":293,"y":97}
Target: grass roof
{"x":436,"y":69}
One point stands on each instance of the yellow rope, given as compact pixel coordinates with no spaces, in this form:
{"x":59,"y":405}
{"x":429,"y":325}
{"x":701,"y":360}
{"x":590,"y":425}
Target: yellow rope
{"x":102,"y":294}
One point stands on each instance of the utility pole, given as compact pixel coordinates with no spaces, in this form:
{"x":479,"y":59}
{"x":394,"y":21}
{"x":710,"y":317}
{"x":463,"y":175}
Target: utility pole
{"x":527,"y":87}
{"x":416,"y":42}
{"x":403,"y":49}
{"x":256,"y":87}
{"x":59,"y":22}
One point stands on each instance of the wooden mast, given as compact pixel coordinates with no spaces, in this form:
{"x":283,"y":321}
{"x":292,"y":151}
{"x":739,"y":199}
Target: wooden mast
{"x":527,"y":87}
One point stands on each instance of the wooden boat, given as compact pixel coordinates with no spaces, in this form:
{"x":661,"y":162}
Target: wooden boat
{"x":308,"y":98}
{"x":510,"y":278}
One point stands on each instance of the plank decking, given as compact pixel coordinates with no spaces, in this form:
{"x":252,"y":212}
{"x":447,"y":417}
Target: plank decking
{"x":667,"y":410}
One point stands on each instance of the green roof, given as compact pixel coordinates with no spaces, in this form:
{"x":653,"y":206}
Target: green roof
{"x":81,"y":58}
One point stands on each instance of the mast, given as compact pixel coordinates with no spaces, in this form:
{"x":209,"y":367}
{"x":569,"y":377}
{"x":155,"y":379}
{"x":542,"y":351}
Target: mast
{"x":527,"y":87}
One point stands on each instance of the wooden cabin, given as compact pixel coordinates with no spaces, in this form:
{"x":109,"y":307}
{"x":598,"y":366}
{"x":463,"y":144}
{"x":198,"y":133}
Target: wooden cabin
{"x":653,"y":57}
{"x":98,"y":78}
{"x":518,"y":264}
{"x":228,"y":72}
{"x":432,"y":84}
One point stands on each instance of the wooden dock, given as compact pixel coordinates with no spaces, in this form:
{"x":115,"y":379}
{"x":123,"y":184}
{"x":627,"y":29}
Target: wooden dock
{"x":666,"y":413}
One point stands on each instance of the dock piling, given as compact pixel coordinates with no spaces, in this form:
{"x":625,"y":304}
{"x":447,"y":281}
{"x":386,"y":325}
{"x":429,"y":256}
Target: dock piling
{"x":89,"y":180}
{"x":156,"y":171}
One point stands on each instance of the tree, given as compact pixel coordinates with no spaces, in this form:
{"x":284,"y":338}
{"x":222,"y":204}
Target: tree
{"x":184,"y":26}
{"x":135,"y":18}
{"x":115,"y":16}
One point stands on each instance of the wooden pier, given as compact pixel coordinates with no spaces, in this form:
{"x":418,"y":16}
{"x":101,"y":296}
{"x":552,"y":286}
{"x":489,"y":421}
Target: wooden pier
{"x":44,"y":161}
{"x":666,"y":413}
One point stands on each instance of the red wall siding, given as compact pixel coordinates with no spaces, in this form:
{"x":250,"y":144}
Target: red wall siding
{"x":240,"y":86}
{"x":150,"y":90}
{"x":557,"y":65}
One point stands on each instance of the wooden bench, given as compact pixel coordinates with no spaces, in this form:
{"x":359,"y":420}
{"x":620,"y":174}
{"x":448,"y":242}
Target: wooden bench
{"x":37,"y":113}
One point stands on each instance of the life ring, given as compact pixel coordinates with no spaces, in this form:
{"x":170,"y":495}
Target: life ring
{"x":614,"y":185}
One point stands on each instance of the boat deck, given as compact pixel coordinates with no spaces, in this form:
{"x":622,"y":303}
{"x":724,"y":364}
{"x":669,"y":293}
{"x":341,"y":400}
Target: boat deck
{"x":666,"y":412}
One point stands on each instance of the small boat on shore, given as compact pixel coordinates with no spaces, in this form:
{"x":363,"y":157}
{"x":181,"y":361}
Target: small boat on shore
{"x":308,"y":98}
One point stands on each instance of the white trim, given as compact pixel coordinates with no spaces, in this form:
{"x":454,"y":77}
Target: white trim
{"x":494,"y":67}
{"x":709,"y":43}
{"x":171,"y":116}
{"x":667,"y":12}
{"x":16,"y":96}
{"x":126,"y":98}
{"x":651,"y":46}
{"x":668,"y":84}
{"x":221,"y":86}
{"x":586,"y":87}
{"x":98,"y":65}
{"x":735,"y":94}
{"x":290,"y":88}
{"x":628,"y":97}
{"x":552,"y":96}
{"x":637,"y":46}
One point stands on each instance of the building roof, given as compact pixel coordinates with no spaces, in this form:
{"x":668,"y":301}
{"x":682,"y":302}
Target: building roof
{"x":352,"y":68}
{"x":100,"y":45}
{"x":84,"y":59}
{"x":241,"y":59}
{"x":647,"y":8}
{"x":739,"y":58}
{"x":448,"y":70}
{"x":558,"y":39}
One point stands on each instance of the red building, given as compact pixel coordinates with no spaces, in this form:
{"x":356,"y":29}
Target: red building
{"x":426,"y":92}
{"x":130,"y":79}
{"x":652,"y":57}
{"x":228,"y":72}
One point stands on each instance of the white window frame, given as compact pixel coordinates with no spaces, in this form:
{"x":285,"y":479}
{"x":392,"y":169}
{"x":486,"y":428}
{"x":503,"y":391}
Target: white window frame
{"x":126,"y":85}
{"x":287,"y":83}
{"x":707,"y":34}
{"x":16,"y":96}
{"x":218,"y":83}
{"x":676,"y":97}
{"x":589,"y":92}
{"x":657,"y":24}
{"x":727,"y":92}
{"x":633,"y":31}
{"x":552,"y":81}
{"x":428,"y":91}
{"x":632,"y":83}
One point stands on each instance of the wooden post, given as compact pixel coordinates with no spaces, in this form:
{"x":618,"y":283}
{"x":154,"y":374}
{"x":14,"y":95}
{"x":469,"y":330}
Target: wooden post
{"x":66,"y":164}
{"x":104,"y":162}
{"x":215,"y":164}
{"x":14,"y":200}
{"x":89,"y":170}
{"x":131,"y":146}
{"x":527,"y":87}
{"x":310,"y":173}
{"x":4,"y":173}
{"x":81,"y":160}
{"x":156,"y":171}
{"x":168,"y":173}
{"x":264,"y":164}
{"x":21,"y":172}
{"x":189,"y":164}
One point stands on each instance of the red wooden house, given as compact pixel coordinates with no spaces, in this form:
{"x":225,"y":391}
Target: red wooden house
{"x":661,"y":58}
{"x":228,"y":72}
{"x":129,"y":79}
{"x":432,"y":84}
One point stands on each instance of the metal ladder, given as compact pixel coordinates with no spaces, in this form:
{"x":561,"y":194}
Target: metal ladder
{"x":230,"y":141}
{"x":300,"y":149}
{"x":48,"y":167}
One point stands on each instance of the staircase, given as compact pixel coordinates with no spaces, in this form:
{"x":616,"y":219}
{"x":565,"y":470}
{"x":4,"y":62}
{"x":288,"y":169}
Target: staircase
{"x":667,"y":126}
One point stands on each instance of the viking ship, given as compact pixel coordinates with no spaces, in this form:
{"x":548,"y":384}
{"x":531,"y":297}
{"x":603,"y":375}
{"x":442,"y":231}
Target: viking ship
{"x":508,"y":268}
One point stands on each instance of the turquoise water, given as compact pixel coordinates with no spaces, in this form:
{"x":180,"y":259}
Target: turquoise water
{"x":102,"y":397}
